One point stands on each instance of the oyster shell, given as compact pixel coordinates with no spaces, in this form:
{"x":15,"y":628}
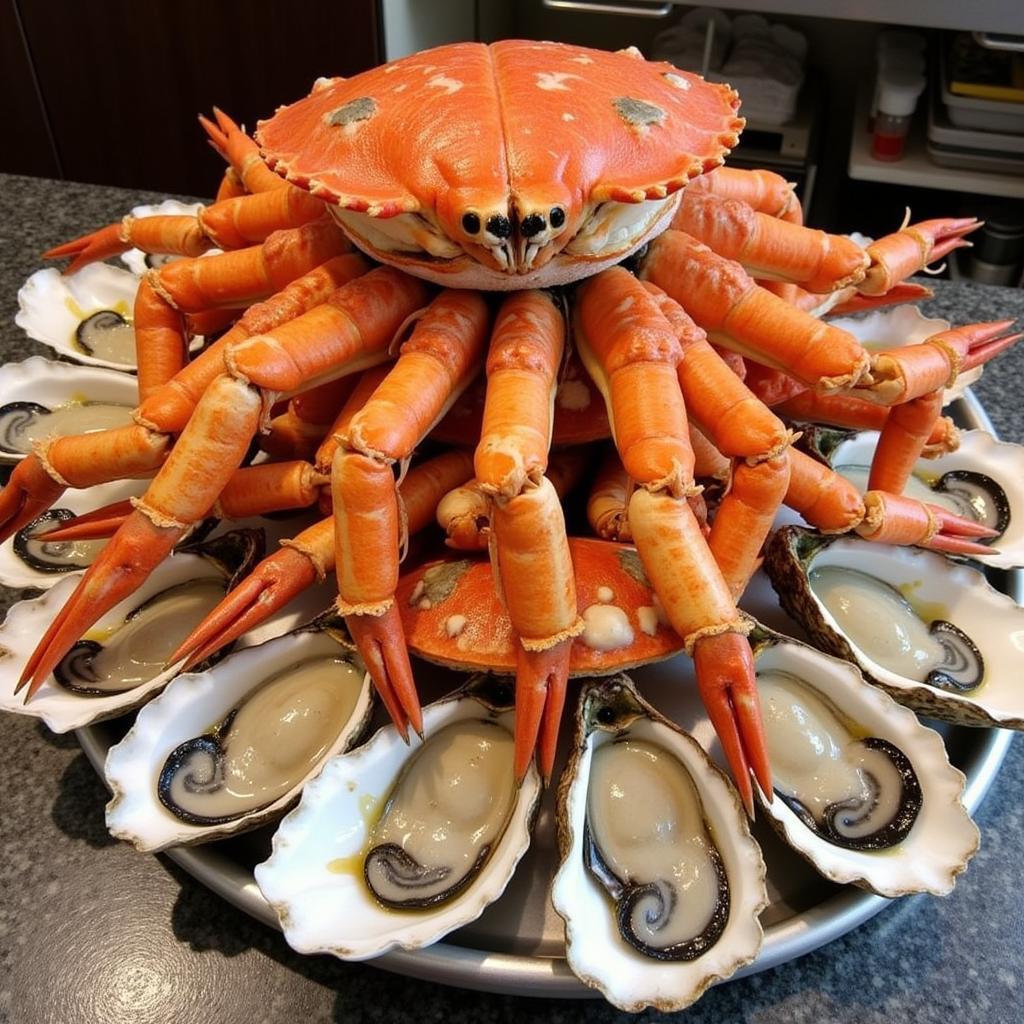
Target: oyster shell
{"x":317,"y":876}
{"x":898,"y":327}
{"x":917,"y":616}
{"x":862,"y":789}
{"x":29,"y":562}
{"x":89,"y":684}
{"x":43,"y":398}
{"x":617,"y":880}
{"x":85,"y":316}
{"x":982,"y":480}
{"x":280,"y":709}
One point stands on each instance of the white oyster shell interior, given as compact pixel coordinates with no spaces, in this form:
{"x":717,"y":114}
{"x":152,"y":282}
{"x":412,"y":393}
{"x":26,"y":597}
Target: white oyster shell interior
{"x":597,"y":953}
{"x":54,"y":384}
{"x":979,"y":452}
{"x":51,"y":306}
{"x":943,"y":589}
{"x":314,"y":877}
{"x":187,"y":708}
{"x":943,"y":837}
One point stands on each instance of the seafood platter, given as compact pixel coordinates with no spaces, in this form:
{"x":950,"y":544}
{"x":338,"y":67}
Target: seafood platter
{"x":482,"y":375}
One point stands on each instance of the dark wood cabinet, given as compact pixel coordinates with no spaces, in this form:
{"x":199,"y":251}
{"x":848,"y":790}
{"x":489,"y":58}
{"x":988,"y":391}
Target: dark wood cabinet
{"x":117,"y":84}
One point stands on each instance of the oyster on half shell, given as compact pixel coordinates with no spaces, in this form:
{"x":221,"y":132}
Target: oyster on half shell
{"x":862,"y":789}
{"x":121,"y":662}
{"x":278,"y":712}
{"x":43,"y":398}
{"x":931,"y":632}
{"x":394,"y":845}
{"x":660,"y":884}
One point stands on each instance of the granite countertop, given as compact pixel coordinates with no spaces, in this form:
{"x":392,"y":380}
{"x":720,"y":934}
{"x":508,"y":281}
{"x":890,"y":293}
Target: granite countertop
{"x":91,"y":931}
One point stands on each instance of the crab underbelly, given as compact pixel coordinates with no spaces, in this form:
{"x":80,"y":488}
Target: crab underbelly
{"x":613,"y":232}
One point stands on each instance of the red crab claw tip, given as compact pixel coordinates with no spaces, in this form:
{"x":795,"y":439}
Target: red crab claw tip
{"x":981,"y":354}
{"x":268,"y":588}
{"x":725,"y":678}
{"x":91,"y":248}
{"x":381,"y":644}
{"x":96,"y":525}
{"x":959,"y":526}
{"x":27,"y":495}
{"x":215,"y":136}
{"x":541,"y":678}
{"x":958,"y":546}
{"x":227,"y":124}
{"x":122,"y":567}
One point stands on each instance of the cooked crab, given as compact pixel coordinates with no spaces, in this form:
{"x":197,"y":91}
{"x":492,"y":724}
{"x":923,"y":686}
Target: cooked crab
{"x":512,"y":168}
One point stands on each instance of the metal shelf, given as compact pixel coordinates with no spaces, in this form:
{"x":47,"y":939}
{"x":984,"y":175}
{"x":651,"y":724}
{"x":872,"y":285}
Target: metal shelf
{"x":917,"y":169}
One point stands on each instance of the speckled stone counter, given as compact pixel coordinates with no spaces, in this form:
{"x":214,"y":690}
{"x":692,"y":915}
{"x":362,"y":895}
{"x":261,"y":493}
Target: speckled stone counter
{"x":92,"y":932}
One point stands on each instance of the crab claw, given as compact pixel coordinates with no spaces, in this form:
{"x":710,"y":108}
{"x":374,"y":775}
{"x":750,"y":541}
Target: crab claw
{"x":725,"y":678}
{"x":381,"y":644}
{"x":897,"y":519}
{"x":541,"y":678}
{"x":90,"y":248}
{"x":121,"y":568}
{"x":98,"y":524}
{"x":26,"y":496}
{"x":902,"y":374}
{"x":911,"y":249}
{"x":269,"y":587}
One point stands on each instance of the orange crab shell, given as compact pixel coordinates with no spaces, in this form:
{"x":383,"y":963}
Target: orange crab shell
{"x":506,"y":131}
{"x":453,"y":616}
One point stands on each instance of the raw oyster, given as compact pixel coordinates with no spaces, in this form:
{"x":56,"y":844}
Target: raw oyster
{"x":324,"y":860}
{"x":929,"y":631}
{"x":137,"y":261}
{"x":86,"y":316}
{"x":643,"y":812}
{"x":44,"y":398}
{"x":982,"y":480}
{"x":128,"y":645}
{"x":280,"y":709}
{"x":28,"y":561}
{"x":898,"y":327}
{"x":862,"y":789}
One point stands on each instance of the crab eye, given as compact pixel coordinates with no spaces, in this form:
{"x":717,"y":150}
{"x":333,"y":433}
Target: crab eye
{"x":556,"y":217}
{"x":532,"y":225}
{"x":470,"y":223}
{"x":499,"y":226}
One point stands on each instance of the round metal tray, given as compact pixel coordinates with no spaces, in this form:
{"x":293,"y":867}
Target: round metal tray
{"x":516,"y":946}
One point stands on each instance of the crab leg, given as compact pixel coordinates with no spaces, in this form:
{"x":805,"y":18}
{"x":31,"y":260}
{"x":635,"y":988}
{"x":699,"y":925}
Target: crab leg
{"x":724,"y":300}
{"x":352,"y":329}
{"x":831,"y":503}
{"x":913,"y":248}
{"x":298,"y":432}
{"x":768,"y":247}
{"x":241,"y":152}
{"x":174,"y":235}
{"x":764,"y":191}
{"x":630,"y":349}
{"x":230,"y":186}
{"x":856,"y":414}
{"x":609,"y":499}
{"x":528,"y":539}
{"x":904,"y":436}
{"x":434,"y":367}
{"x":308,"y":558}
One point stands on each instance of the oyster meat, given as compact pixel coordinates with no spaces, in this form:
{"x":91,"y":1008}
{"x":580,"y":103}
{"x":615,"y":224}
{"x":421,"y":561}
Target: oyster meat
{"x":862,"y":789}
{"x":280,"y":709}
{"x":660,"y":883}
{"x":44,"y":398}
{"x":928,"y":630}
{"x":396,"y":846}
